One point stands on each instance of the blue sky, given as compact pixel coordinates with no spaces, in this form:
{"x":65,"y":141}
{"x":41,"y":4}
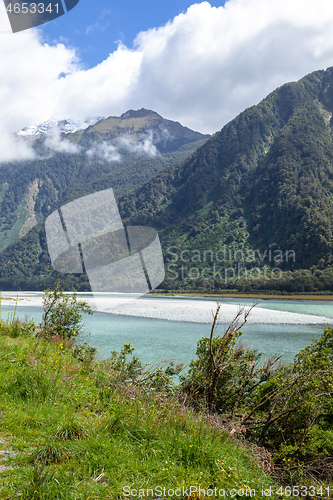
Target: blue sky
{"x":94,"y":27}
{"x":199,"y":63}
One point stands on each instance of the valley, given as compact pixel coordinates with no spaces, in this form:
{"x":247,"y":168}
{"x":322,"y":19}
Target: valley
{"x":262,"y":186}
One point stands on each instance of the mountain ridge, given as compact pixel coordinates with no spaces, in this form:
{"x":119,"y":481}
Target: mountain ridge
{"x":264,"y":181}
{"x":70,"y":165}
{"x":66,"y":126}
{"x":262,"y":186}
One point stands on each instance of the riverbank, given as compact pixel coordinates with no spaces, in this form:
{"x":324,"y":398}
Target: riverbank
{"x":75,"y":425}
{"x":36,"y":298}
{"x":262,"y":296}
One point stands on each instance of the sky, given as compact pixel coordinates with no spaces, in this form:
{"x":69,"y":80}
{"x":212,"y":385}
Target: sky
{"x":197,"y":63}
{"x":95,"y":28}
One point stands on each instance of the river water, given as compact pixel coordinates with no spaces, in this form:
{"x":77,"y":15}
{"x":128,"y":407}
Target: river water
{"x":164,"y":328}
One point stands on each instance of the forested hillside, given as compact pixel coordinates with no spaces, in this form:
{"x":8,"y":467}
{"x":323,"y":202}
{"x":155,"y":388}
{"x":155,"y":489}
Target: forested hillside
{"x":262,"y":187}
{"x":251,"y":209}
{"x":118,"y":152}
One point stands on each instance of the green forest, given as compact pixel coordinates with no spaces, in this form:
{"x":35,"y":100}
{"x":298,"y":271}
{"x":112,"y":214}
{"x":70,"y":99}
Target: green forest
{"x":260,"y":190}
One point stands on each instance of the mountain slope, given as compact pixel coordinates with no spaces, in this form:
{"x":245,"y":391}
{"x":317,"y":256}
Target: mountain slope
{"x":266,"y":177}
{"x":166,"y":135}
{"x":122,"y":153}
{"x":258,"y":193}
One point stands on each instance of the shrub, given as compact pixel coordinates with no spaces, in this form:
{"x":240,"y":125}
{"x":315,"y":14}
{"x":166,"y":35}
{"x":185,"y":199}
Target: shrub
{"x":62,"y":313}
{"x":124,"y":367}
{"x":226,"y":373}
{"x":286,"y":408}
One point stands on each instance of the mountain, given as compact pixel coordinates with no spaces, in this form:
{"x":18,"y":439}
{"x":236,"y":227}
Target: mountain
{"x":118,"y":152}
{"x":68,"y":126}
{"x":262,"y":187}
{"x":142,"y":125}
{"x":252,"y":208}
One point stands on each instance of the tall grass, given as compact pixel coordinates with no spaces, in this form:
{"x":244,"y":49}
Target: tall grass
{"x":68,"y":423}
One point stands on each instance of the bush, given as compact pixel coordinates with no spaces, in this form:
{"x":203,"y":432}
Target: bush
{"x":124,"y":367}
{"x":16,"y":328}
{"x":286,"y":408}
{"x":226,"y":373}
{"x":63,"y":313}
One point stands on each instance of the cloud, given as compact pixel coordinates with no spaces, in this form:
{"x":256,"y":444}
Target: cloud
{"x":30,"y":89}
{"x":13,"y":148}
{"x":143,"y":147}
{"x":202,"y":68}
{"x":124,"y":144}
{"x":210,"y":63}
{"x":54,"y":143}
{"x":104,"y":151}
{"x":101,"y":24}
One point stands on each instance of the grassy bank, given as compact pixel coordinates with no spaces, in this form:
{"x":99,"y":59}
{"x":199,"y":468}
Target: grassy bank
{"x":264,"y":296}
{"x":74,"y":431}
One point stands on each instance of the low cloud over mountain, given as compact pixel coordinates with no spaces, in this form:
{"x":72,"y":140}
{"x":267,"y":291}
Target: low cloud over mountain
{"x":141,"y":133}
{"x":203,"y":67}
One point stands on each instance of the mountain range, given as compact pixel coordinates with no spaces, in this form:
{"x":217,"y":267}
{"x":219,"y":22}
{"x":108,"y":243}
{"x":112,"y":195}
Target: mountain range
{"x":118,"y":152}
{"x":262,"y":187}
{"x":251,"y":208}
{"x":69,"y":126}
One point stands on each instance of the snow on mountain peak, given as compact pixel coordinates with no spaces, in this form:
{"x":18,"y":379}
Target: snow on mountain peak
{"x":64,"y":126}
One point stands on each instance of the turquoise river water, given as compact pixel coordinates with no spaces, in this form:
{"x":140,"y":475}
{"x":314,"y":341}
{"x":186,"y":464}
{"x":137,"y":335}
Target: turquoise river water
{"x":162,"y":339}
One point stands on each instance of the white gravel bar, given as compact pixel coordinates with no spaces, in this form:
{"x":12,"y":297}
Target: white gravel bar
{"x":173,"y":309}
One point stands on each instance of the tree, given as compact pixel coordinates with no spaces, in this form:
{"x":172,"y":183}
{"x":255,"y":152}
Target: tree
{"x":286,"y":408}
{"x":63,"y":313}
{"x":226,"y":373}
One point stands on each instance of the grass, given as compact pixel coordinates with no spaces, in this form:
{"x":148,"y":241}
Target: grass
{"x":68,"y":422}
{"x":264,"y":296}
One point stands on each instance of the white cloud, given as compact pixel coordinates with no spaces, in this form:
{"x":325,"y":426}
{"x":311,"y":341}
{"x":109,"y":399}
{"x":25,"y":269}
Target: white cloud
{"x":143,"y":147}
{"x":101,"y":24}
{"x":53,"y":142}
{"x":30,"y":89}
{"x":124,"y":144}
{"x":14,"y":148}
{"x":202,"y":68}
{"x":104,"y":151}
{"x":210,"y":63}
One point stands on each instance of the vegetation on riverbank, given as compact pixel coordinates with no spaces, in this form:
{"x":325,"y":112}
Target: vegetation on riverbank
{"x":74,"y":427}
{"x":264,"y":296}
{"x":78,"y":428}
{"x":288,"y":409}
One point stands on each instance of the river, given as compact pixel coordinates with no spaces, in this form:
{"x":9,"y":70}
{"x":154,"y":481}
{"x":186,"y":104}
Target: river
{"x":169,"y":327}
